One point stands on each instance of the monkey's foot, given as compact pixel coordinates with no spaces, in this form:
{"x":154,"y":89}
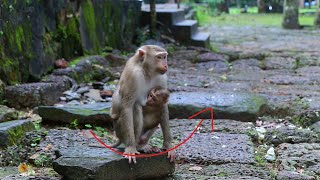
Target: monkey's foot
{"x":171,"y":154}
{"x":129,"y":152}
{"x":149,"y":149}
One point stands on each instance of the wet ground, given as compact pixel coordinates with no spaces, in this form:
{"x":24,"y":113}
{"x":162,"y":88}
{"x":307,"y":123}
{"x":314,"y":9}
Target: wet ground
{"x":280,"y":65}
{"x":280,"y":142}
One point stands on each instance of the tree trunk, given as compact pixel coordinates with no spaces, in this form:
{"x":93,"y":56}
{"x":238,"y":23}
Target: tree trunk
{"x":301,"y":5}
{"x":238,"y":4}
{"x":291,"y":14}
{"x":261,"y":6}
{"x":153,"y":18}
{"x":317,"y":19}
{"x":224,"y":6}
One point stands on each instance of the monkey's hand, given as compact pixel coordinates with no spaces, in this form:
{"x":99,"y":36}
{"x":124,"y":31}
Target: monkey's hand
{"x":131,"y":150}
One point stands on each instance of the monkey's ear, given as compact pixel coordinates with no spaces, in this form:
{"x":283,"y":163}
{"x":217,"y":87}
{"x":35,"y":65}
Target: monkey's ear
{"x":141,"y":52}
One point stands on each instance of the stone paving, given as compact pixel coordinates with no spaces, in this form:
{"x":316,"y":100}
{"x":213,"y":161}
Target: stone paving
{"x":271,"y":132}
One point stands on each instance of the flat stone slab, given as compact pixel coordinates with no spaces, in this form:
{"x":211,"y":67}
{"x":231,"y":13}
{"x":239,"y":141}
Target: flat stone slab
{"x":288,"y":134}
{"x":291,"y":175}
{"x":35,"y":94}
{"x":292,"y":157}
{"x":12,"y":131}
{"x":97,"y":113}
{"x":217,"y":148}
{"x":100,"y":163}
{"x":181,"y":126}
{"x":223,"y":171}
{"x":227,"y":105}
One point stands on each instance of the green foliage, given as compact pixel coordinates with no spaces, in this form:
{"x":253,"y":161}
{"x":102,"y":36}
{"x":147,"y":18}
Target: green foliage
{"x":37,"y":125}
{"x":101,"y":131}
{"x":74,"y":124}
{"x":142,"y":35}
{"x":260,"y":152}
{"x":42,"y":161}
{"x":88,"y":126}
{"x":171,"y":49}
{"x":252,"y":18}
{"x":36,"y":140}
{"x":213,"y":6}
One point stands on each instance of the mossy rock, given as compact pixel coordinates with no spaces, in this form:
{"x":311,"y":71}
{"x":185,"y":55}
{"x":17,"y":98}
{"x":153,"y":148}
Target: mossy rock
{"x":97,"y":113}
{"x":7,"y":114}
{"x":12,"y":131}
{"x":226,"y":105}
{"x":87,"y":69}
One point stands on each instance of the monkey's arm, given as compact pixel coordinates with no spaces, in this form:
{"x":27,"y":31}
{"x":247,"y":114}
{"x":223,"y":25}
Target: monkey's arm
{"x":144,"y":139}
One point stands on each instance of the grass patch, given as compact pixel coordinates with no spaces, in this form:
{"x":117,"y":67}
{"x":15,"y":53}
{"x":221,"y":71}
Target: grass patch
{"x":205,"y":17}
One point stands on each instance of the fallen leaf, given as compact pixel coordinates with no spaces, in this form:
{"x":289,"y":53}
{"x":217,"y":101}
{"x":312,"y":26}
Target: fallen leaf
{"x":23,"y":167}
{"x":210,"y":70}
{"x":206,"y":85}
{"x":34,"y":156}
{"x":48,"y":147}
{"x":195,"y":168}
{"x":192,"y":69}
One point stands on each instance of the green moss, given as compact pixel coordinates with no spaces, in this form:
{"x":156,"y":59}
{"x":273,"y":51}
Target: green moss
{"x":111,"y":24}
{"x":19,"y":38}
{"x":18,"y":132}
{"x":68,"y":35}
{"x":16,"y":52}
{"x":75,"y":61}
{"x":10,"y":69}
{"x":90,"y":24}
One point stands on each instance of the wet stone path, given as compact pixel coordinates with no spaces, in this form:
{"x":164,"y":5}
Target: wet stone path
{"x":279,"y":66}
{"x":263,"y":84}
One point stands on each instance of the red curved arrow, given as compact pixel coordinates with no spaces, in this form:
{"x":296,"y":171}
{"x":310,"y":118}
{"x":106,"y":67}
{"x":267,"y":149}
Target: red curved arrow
{"x":163,"y":152}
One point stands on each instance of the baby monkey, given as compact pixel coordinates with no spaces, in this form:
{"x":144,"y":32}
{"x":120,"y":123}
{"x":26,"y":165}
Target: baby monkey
{"x":157,"y":97}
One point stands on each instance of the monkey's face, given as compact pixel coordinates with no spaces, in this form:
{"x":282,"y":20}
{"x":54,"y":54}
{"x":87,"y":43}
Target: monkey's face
{"x":161,"y":61}
{"x":152,"y":98}
{"x":157,"y":97}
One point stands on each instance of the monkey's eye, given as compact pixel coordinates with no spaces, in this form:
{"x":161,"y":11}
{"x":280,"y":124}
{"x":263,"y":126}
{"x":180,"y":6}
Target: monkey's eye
{"x":154,"y":98}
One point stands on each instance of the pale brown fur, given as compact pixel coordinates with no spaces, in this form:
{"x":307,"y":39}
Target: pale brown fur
{"x":157,"y":98}
{"x":146,"y":69}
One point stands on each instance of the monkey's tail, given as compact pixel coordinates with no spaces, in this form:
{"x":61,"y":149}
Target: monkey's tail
{"x":116,"y":144}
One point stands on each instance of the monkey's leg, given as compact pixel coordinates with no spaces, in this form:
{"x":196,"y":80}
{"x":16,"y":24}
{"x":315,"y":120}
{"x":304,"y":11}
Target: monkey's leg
{"x":143,"y":142}
{"x":167,"y":139}
{"x":128,"y":133}
{"x":138,"y":122}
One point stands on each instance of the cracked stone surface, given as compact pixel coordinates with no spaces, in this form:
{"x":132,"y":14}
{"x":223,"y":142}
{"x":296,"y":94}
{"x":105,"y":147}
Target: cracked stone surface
{"x":217,"y":148}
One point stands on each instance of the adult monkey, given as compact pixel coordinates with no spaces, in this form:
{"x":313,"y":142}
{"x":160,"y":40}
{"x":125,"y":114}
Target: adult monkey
{"x":157,"y":98}
{"x":145,"y":70}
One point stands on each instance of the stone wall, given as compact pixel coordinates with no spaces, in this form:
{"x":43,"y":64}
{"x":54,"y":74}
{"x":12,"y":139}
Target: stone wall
{"x":34,"y":33}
